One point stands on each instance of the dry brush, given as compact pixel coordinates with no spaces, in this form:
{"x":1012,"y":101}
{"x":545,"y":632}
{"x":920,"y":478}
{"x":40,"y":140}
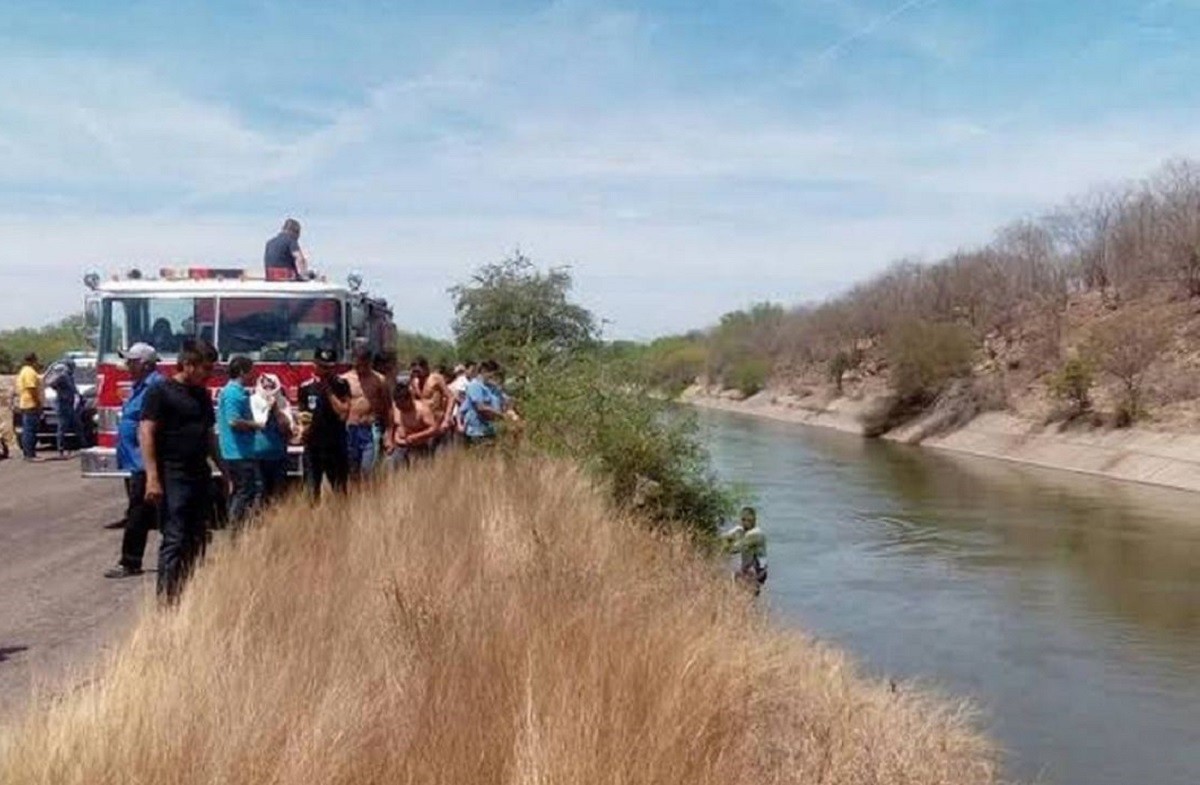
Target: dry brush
{"x":479,"y":621}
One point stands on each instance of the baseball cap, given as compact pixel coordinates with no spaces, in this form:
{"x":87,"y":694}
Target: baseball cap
{"x":142,"y":352}
{"x":325,"y":355}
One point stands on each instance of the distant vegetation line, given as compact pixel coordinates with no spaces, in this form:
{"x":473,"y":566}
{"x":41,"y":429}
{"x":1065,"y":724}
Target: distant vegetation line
{"x":48,"y":342}
{"x":1123,"y":248}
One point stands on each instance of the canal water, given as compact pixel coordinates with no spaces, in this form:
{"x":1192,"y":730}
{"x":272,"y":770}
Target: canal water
{"x":1066,"y":608}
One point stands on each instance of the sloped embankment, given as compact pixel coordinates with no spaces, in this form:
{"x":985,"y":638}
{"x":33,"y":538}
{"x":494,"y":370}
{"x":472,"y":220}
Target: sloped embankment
{"x":477,"y":622}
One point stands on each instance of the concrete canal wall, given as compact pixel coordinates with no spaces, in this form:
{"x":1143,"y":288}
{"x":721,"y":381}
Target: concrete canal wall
{"x":1134,"y":454}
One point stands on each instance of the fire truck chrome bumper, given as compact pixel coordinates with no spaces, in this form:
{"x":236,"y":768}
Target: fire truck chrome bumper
{"x":100,"y":462}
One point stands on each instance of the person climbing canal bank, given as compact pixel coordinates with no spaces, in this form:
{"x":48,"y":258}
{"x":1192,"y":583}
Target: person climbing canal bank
{"x":140,"y":516}
{"x":748,"y":540}
{"x":177,"y":440}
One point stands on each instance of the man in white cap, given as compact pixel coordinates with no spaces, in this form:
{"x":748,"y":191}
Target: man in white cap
{"x":142,"y":361}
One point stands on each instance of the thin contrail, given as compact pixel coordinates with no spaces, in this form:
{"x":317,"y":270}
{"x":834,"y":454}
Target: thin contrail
{"x":836,"y":48}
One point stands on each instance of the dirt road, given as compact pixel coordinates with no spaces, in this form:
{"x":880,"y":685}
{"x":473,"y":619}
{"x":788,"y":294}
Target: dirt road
{"x":58,"y":612}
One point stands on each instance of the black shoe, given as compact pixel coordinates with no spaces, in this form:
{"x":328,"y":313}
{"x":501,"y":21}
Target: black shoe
{"x":121,"y":571}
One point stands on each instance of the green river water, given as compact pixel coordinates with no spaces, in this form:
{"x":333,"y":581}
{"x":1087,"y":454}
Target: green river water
{"x":1066,"y":608}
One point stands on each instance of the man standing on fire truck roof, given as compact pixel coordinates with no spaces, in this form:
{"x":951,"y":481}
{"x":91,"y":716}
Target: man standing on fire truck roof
{"x":283,"y":258}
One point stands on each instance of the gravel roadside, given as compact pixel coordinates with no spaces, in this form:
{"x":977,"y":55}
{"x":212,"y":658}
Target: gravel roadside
{"x":58,"y":613}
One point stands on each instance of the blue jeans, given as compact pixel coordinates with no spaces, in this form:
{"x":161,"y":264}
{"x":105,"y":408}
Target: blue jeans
{"x":29,"y":428}
{"x":247,"y":490}
{"x":360,"y":448}
{"x":68,"y":422}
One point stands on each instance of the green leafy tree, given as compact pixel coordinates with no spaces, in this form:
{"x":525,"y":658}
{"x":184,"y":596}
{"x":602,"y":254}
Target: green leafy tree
{"x":48,"y":342}
{"x":410,"y":345}
{"x":515,"y":313}
{"x":584,"y":407}
{"x":582,"y":399}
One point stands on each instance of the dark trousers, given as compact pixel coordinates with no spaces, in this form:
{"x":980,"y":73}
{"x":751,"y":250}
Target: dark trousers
{"x":140,"y":518}
{"x":68,"y":422}
{"x":274,"y":478}
{"x":29,"y":429}
{"x":185,"y":513}
{"x":321,"y":461}
{"x":247,"y":490}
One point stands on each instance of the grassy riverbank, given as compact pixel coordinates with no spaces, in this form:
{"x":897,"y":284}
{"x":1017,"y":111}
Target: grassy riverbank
{"x":479,"y":622}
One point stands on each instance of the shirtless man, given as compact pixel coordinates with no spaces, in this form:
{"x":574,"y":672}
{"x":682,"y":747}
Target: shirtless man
{"x":370,"y":408}
{"x":415,"y":428}
{"x":431,"y":388}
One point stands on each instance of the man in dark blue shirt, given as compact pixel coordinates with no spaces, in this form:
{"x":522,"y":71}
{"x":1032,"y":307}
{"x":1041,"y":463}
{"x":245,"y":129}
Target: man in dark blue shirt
{"x":324,"y":406}
{"x":141,"y":359}
{"x":283,"y":258}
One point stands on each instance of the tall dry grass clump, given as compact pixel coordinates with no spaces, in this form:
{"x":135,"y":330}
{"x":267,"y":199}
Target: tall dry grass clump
{"x":478,"y":621}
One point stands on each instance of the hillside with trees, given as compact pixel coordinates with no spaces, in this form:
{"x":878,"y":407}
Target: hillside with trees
{"x":1087,"y":314}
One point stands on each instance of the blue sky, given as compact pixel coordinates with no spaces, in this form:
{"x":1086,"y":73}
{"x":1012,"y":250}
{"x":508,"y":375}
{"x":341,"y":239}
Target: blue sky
{"x":685,"y":158}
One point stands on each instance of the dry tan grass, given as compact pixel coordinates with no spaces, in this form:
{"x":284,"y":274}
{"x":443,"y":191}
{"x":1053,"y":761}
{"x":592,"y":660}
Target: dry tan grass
{"x":479,"y":622}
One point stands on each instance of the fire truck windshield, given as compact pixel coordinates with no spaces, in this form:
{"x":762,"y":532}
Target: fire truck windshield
{"x":283,"y":329}
{"x":279,"y":329}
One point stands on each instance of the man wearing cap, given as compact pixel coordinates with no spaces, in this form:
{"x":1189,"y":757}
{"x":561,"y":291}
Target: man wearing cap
{"x":141,"y":359}
{"x":283,"y":257}
{"x":324,"y":406}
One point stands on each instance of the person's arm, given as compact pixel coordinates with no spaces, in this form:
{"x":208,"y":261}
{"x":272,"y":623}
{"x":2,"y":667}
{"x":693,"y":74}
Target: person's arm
{"x":147,"y":428}
{"x":481,"y":402}
{"x":430,"y":429}
{"x":241,"y":419}
{"x":339,"y":403}
{"x":282,"y":421}
{"x":399,"y":437}
{"x":301,"y":260}
{"x":383,"y":410}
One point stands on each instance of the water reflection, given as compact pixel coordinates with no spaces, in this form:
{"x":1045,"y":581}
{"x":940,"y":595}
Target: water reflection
{"x":1068,"y":605}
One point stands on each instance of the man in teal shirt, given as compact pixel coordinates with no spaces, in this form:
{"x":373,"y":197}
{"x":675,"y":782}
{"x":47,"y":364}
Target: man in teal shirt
{"x":235,"y":434}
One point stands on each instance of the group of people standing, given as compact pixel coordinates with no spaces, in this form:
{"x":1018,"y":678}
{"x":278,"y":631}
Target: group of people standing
{"x":372,"y":417}
{"x":350,"y":424}
{"x":30,"y":402}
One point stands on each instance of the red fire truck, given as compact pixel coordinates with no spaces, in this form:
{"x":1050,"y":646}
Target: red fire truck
{"x":278,"y":324}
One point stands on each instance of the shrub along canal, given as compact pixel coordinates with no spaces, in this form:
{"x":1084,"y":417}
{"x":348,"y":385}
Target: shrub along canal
{"x":1066,"y":607}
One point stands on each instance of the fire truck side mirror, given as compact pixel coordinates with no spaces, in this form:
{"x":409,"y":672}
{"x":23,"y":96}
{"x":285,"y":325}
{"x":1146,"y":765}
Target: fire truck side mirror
{"x":91,"y":320}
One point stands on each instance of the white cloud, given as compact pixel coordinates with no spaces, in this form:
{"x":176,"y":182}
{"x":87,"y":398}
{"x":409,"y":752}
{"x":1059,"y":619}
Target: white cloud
{"x":562,"y":135}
